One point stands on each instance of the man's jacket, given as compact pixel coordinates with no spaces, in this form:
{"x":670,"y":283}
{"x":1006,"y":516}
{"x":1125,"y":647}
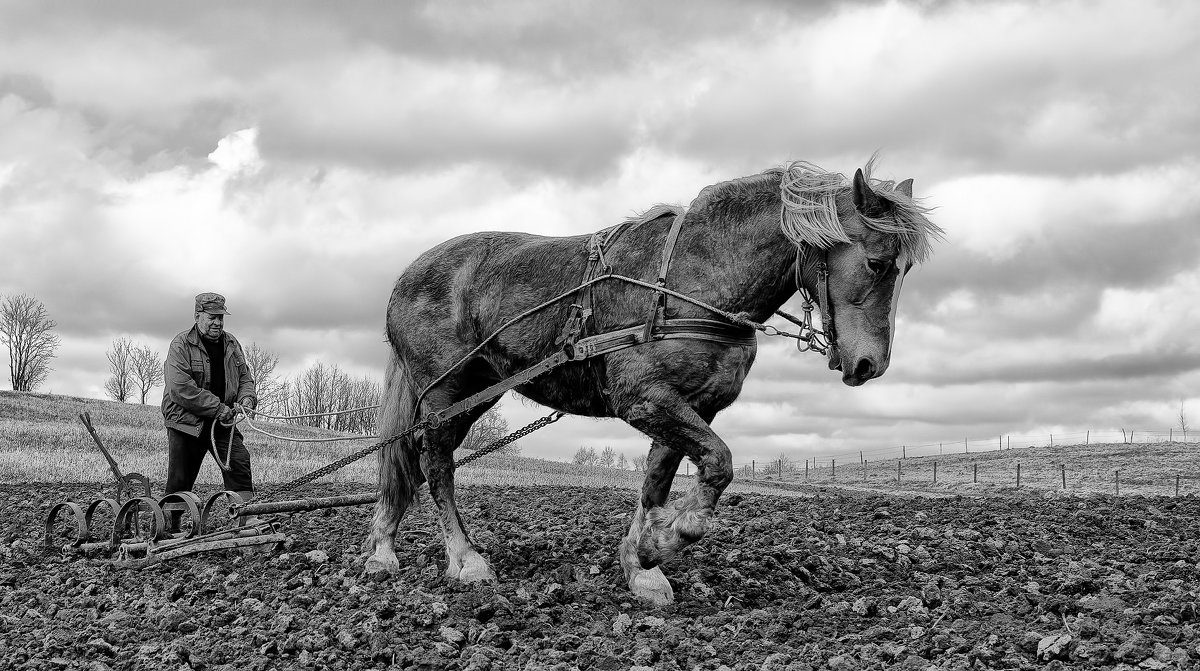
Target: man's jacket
{"x":187,"y":402}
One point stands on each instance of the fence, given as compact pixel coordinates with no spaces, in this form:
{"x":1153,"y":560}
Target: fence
{"x":1077,"y":464}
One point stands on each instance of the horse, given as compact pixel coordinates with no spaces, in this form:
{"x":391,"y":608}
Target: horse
{"x":481,"y":307}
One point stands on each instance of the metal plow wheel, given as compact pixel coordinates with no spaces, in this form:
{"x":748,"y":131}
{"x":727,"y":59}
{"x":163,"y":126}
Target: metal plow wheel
{"x":144,"y":530}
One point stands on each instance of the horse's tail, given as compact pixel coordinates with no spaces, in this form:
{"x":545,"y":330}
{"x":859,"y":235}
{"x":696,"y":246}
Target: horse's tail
{"x":399,"y":461}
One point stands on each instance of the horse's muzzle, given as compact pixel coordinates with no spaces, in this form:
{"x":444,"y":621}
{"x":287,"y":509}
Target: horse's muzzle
{"x":864,"y":370}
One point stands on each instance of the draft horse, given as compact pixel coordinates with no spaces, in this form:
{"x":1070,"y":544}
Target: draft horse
{"x":744,"y":247}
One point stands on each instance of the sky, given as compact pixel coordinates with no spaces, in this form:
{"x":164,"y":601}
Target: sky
{"x":296,"y":156}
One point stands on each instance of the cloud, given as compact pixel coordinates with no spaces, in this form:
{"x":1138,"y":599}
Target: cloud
{"x":171,"y":150}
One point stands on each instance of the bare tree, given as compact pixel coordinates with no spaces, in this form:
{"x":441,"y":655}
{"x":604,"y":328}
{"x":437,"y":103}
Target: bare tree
{"x":1183,"y":423}
{"x":362,"y":392}
{"x":585,"y":456}
{"x":119,"y":385}
{"x":639,"y":463}
{"x":784,"y":463}
{"x":25,"y":327}
{"x":622,"y":461}
{"x":327,"y":393}
{"x":272,"y":391}
{"x":147,"y":369}
{"x":490,"y":427}
{"x":313,"y":394}
{"x":608,"y":457}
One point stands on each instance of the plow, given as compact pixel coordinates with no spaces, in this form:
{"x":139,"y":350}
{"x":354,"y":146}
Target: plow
{"x":139,"y":530}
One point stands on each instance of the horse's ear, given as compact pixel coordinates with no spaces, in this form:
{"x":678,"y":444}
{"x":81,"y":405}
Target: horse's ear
{"x":905,"y":187}
{"x":865,"y":200}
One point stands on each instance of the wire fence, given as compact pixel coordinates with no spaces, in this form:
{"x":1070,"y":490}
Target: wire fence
{"x":1073,"y":466}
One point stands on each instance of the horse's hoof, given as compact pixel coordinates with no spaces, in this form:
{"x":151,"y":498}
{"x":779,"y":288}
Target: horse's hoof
{"x":476,"y":569}
{"x":377,"y":564}
{"x":652,"y":586}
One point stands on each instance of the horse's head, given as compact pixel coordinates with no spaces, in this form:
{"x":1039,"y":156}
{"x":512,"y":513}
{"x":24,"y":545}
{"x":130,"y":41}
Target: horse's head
{"x":868,"y":233}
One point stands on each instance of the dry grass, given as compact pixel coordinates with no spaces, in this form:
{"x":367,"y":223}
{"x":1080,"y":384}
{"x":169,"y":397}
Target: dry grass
{"x":42,"y":440}
{"x":1145,"y":469}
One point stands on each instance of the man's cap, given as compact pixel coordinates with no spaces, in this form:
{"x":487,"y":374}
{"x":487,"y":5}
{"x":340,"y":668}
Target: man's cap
{"x":213,"y":304}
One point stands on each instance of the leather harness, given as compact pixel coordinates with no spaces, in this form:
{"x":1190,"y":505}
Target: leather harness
{"x":574,"y":346}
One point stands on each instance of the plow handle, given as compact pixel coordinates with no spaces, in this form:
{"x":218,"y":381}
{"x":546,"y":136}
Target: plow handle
{"x":86,"y":418}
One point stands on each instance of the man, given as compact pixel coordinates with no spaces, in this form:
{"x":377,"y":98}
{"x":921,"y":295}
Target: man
{"x":206,"y":380}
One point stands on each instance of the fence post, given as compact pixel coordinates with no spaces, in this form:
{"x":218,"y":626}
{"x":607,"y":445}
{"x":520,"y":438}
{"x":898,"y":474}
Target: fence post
{"x":935,"y":472}
{"x":1171,"y":435}
{"x":1087,"y":438}
{"x":806,"y":470}
{"x":833,"y":469}
{"x":1117,"y":473}
{"x":897,"y":471}
{"x":780,"y":468}
{"x":1018,"y":475}
{"x":1064,"y":475}
{"x":1052,"y":440}
{"x":903,"y":451}
{"x":1001,"y":442}
{"x":1009,"y":440}
{"x":975,"y":473}
{"x":751,"y":469}
{"x":860,"y":458}
{"x":965,"y":448}
{"x":1176,"y":485}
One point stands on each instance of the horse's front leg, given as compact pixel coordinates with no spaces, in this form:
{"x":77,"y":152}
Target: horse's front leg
{"x":650,"y":583}
{"x":463,"y":561}
{"x":665,"y":531}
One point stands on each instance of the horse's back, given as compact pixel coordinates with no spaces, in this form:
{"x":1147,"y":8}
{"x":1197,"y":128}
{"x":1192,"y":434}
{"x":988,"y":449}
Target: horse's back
{"x":472,"y":284}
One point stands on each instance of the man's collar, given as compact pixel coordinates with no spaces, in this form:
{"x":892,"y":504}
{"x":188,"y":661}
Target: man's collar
{"x":196,"y":339}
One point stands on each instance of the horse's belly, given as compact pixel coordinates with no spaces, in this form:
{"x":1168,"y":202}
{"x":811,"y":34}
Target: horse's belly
{"x":573,"y":388}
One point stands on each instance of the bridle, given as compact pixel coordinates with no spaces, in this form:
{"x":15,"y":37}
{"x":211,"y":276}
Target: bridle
{"x":823,"y":341}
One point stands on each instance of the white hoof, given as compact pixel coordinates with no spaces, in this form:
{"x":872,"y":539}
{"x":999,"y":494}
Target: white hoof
{"x":474,"y":569}
{"x":382,"y":562}
{"x":652,"y":586}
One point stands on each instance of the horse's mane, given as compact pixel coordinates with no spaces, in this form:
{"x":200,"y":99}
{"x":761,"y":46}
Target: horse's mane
{"x":810,"y":215}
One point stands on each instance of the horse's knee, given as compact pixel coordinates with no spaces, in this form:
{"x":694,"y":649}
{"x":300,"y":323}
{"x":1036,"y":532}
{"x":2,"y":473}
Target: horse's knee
{"x":641,"y":411}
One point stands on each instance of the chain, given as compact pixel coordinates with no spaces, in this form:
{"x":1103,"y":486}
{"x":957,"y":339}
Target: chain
{"x":419,"y":426}
{"x":341,"y":463}
{"x":511,"y":438}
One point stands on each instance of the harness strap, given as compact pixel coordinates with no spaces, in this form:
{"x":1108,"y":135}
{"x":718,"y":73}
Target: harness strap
{"x":659,"y":303}
{"x":598,"y":345}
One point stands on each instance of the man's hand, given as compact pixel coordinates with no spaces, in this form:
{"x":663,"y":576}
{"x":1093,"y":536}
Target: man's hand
{"x":226,"y":414}
{"x":248,"y":404}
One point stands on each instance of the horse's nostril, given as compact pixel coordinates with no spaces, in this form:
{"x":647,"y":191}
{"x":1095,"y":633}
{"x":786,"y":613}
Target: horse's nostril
{"x":865,"y":370}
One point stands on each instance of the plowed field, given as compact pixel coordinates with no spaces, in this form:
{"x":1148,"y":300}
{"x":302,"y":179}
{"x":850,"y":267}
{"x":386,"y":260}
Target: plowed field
{"x":840,"y":580}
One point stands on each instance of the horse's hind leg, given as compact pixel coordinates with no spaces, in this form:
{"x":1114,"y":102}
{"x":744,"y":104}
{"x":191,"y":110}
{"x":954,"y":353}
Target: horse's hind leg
{"x":394,"y":500}
{"x":666,"y":531}
{"x":650,"y":583}
{"x":464,"y":561}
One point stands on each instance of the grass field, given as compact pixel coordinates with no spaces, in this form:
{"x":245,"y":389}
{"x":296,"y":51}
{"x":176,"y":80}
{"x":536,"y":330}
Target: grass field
{"x":42,"y":440}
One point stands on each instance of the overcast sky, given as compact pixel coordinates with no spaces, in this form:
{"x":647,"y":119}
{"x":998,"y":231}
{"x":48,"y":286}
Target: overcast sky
{"x":295,"y":157}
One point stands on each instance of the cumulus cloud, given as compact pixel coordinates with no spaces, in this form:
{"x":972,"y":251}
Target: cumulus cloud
{"x":170,"y":150}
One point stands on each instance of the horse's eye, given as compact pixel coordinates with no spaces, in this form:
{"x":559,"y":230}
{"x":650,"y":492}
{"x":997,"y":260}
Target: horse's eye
{"x":877,"y":266}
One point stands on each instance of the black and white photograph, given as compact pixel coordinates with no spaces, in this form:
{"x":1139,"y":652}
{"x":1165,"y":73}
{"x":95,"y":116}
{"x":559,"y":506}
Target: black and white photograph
{"x":735,"y":336}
